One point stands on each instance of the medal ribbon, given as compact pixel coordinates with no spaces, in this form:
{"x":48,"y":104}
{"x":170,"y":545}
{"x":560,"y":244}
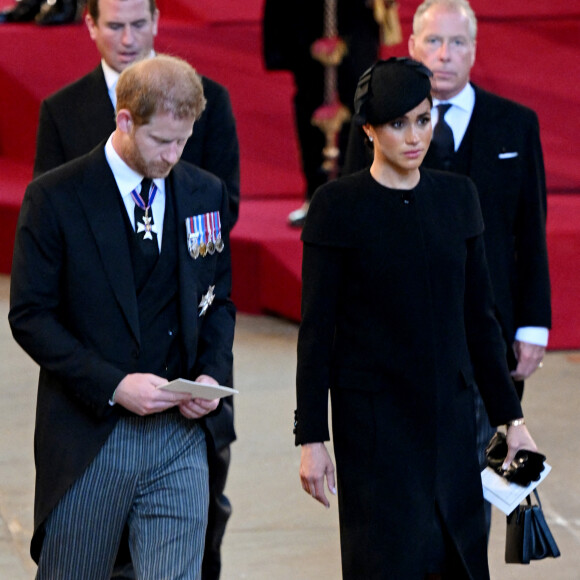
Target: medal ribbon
{"x":200,"y":229}
{"x":209,"y":228}
{"x":139,"y":200}
{"x":204,"y":230}
{"x":217,"y":226}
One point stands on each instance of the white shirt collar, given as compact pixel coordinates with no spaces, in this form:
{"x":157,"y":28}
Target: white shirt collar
{"x":464,"y":100}
{"x":111,"y":75}
{"x":127,"y":179}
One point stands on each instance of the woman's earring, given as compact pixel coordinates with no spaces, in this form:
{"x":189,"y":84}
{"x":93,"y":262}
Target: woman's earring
{"x":370,"y":138}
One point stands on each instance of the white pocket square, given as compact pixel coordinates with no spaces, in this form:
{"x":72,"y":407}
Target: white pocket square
{"x":509,"y":155}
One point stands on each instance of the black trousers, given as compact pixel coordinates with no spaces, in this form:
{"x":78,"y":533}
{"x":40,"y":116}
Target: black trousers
{"x":220,"y":511}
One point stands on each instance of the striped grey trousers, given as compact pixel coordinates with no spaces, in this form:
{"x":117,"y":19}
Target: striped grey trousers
{"x":152,"y":474}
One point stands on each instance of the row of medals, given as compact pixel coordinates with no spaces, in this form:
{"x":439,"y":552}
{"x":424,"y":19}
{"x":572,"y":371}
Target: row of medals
{"x":197,"y":249}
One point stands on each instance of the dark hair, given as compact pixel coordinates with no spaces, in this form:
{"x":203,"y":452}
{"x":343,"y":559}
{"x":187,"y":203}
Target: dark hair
{"x":93,"y":8}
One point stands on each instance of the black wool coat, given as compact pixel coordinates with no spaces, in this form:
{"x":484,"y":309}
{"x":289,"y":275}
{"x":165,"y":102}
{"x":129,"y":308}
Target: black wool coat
{"x":398,"y":325}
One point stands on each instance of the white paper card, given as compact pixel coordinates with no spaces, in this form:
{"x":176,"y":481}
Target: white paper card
{"x":198,"y":390}
{"x":505,"y":495}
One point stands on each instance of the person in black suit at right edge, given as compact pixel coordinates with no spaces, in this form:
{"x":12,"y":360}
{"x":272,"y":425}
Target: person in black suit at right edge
{"x":495,"y":142}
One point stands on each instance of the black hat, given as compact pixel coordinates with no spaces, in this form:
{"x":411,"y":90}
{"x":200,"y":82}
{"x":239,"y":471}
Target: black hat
{"x":389,"y":89}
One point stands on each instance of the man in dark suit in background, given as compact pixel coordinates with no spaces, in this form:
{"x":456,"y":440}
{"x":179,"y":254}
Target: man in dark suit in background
{"x":79,"y":116}
{"x":289,"y":30}
{"x":113,"y":296}
{"x":74,"y":119}
{"x":496,"y":143}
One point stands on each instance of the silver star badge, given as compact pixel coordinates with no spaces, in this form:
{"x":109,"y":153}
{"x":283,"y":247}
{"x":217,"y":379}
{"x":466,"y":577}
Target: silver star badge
{"x":206,"y":300}
{"x":147,"y":227}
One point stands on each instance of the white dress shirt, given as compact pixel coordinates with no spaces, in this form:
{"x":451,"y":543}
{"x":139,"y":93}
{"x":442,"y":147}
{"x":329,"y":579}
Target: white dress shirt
{"x":127,"y":180}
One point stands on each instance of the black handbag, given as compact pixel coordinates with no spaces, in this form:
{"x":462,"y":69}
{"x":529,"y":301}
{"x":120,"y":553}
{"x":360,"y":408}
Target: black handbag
{"x":527,"y":534}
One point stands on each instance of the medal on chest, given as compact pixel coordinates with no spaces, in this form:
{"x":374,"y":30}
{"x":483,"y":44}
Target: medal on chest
{"x":204,"y":236}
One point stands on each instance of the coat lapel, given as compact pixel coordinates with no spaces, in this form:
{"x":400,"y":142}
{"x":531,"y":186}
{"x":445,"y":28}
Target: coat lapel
{"x":100,"y":107}
{"x":182,"y":191}
{"x":188,"y":200}
{"x":99,"y":197}
{"x":485,"y":133}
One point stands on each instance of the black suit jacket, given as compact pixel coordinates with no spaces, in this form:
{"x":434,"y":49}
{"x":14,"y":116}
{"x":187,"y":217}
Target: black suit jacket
{"x":74,"y":308}
{"x":506,"y":165}
{"x":77,"y":118}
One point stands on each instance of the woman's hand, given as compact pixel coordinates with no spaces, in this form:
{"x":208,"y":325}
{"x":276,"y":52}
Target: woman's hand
{"x":518,"y":437}
{"x":315,"y":465}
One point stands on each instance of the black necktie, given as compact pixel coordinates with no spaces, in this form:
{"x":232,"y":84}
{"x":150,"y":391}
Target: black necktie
{"x":443,"y":143}
{"x":144,"y":220}
{"x":146,"y":247}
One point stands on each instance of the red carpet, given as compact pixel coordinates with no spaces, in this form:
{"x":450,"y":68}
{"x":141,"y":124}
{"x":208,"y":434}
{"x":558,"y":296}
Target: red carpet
{"x":221,"y":38}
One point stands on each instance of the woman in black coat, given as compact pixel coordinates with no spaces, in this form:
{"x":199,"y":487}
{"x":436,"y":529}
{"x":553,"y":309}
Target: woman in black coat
{"x":398,"y":324}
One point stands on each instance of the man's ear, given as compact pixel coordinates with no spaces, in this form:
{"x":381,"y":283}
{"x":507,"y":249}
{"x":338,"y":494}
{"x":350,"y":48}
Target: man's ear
{"x":411,"y":45}
{"x":155,"y":22}
{"x":91,"y":25}
{"x":125,"y":121}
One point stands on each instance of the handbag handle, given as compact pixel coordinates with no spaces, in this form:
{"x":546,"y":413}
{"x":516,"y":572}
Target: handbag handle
{"x":529,"y":498}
